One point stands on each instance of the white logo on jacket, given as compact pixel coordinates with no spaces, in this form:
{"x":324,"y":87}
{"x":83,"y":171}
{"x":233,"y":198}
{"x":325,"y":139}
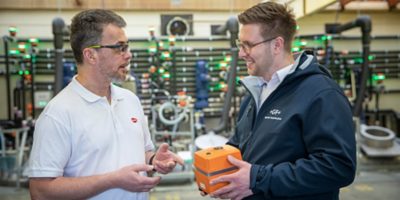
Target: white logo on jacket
{"x":274,"y":115}
{"x":275,"y":112}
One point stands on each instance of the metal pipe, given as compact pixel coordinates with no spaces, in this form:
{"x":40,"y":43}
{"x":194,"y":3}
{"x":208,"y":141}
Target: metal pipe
{"x":23,"y":88}
{"x":364,"y":22}
{"x":230,"y":93}
{"x":232,"y":26}
{"x":58,"y":32}
{"x":33,"y":73}
{"x":8,"y":89}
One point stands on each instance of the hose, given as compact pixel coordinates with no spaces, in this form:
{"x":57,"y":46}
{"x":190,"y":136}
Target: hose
{"x":170,"y":105}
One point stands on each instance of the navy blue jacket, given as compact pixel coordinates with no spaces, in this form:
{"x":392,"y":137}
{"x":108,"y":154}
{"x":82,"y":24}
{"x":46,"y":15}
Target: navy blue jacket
{"x":301,"y":143}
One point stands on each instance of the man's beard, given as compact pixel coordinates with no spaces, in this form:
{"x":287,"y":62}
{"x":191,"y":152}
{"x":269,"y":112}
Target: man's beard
{"x":119,"y":78}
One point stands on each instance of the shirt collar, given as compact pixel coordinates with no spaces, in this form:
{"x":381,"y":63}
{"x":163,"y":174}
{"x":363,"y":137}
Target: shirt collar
{"x":90,"y":96}
{"x":278,"y":76}
{"x":116,"y":95}
{"x":282,"y":73}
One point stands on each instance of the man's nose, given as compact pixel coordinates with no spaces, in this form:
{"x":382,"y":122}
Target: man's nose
{"x":242,"y":53}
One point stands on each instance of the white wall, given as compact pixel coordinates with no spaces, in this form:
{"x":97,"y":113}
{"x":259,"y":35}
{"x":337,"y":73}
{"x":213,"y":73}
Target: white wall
{"x":383,"y":23}
{"x":38,"y":23}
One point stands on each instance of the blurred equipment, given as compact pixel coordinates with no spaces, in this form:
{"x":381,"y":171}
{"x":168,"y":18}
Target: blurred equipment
{"x":13,"y":154}
{"x":210,"y":139}
{"x":172,"y":121}
{"x":377,"y":141}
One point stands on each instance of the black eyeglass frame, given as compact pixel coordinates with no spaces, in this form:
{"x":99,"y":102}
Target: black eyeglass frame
{"x":247,"y":47}
{"x":122,"y":47}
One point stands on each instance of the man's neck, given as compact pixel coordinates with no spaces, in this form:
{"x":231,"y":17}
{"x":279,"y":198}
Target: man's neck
{"x":96,"y":85}
{"x":286,"y":60}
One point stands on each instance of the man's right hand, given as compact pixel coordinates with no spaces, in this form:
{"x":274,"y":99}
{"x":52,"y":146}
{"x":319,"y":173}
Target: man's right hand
{"x":131,"y":178}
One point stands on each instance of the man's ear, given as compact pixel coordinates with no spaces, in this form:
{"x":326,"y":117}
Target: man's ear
{"x":90,"y":55}
{"x":279,"y":44}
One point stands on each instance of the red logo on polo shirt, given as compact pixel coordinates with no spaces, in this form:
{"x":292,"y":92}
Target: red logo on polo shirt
{"x":134,"y":119}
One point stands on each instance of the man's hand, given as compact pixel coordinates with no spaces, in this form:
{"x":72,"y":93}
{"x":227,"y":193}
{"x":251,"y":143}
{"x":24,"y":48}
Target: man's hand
{"x":239,"y":182}
{"x":129,"y":178}
{"x":164,"y":160}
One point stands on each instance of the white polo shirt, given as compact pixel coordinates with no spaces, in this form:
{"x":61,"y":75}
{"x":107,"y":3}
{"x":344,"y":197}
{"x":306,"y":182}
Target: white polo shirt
{"x":81,"y":134}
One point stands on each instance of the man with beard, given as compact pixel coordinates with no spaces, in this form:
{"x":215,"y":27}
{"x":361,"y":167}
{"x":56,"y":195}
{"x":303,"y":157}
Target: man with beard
{"x":295,"y":128}
{"x":92,"y":139}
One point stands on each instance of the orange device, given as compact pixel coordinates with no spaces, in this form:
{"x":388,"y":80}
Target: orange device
{"x":211,"y":163}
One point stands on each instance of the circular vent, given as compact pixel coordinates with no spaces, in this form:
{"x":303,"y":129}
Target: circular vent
{"x":178,"y":26}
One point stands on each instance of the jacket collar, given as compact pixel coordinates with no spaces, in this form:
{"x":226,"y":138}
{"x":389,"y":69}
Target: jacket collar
{"x":252,"y":83}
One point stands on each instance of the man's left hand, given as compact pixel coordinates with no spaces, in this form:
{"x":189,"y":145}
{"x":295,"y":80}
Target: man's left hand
{"x":239,"y":182}
{"x":165,"y":160}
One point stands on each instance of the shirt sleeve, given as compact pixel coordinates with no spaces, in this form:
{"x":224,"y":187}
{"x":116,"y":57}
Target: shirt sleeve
{"x":51,"y":148}
{"x":148,"y":144}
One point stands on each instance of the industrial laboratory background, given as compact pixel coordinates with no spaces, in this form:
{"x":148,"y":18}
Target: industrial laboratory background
{"x":185,"y":70}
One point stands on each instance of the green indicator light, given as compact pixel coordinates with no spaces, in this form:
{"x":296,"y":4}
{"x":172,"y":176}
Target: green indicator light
{"x":297,"y":27}
{"x":42,"y":103}
{"x":329,"y":37}
{"x":12,"y":29}
{"x":237,"y":79}
{"x":295,"y":49}
{"x":161,"y":70}
{"x":20,"y":72}
{"x":165,"y":55}
{"x":378,"y":77}
{"x":27,"y":56}
{"x":220,"y":86}
{"x":14,"y":52}
{"x":27,"y":72}
{"x":222,"y":66}
{"x":300,"y":43}
{"x":21,"y":46}
{"x":34,"y":40}
{"x":371,"y":57}
{"x":166,"y":75}
{"x":171,"y":39}
{"x":358,"y":60}
{"x":152,"y":50}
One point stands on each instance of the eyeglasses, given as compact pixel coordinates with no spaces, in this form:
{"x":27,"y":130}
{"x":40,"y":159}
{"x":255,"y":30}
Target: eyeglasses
{"x":121,"y":47}
{"x":246,"y":46}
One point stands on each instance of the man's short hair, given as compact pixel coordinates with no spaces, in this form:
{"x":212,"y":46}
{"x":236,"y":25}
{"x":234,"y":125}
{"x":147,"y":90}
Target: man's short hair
{"x":87,"y":28}
{"x":275,"y":19}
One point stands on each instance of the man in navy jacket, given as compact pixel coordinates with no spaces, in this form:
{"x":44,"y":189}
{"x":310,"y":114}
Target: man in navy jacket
{"x":295,"y":128}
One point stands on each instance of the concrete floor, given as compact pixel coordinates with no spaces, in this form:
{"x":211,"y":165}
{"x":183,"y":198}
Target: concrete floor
{"x":377,"y":179}
{"x":378,"y":185}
